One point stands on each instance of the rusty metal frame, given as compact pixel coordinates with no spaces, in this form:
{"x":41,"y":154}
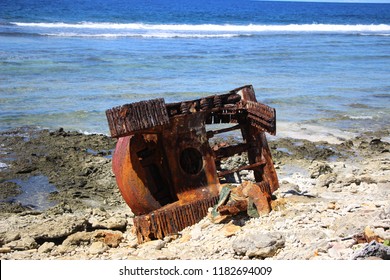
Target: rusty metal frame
{"x":165,"y":168}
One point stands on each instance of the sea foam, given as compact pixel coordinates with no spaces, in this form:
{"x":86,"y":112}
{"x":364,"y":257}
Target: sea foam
{"x":315,"y":27}
{"x":140,"y":35}
{"x":143,"y":30}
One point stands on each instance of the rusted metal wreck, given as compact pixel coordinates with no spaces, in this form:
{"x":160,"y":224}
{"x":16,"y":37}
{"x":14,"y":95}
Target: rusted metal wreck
{"x":165,"y":168}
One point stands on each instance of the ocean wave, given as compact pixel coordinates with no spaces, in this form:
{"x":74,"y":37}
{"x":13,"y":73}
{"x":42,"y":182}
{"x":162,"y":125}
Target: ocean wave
{"x":382,"y":95}
{"x":4,"y":22}
{"x":137,"y":35}
{"x":367,"y":117}
{"x":251,"y":28}
{"x":375,"y":34}
{"x":20,"y":34}
{"x":122,"y":35}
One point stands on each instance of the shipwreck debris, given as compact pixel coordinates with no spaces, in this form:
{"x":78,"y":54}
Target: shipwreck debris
{"x":249,"y":197}
{"x":167,"y":171}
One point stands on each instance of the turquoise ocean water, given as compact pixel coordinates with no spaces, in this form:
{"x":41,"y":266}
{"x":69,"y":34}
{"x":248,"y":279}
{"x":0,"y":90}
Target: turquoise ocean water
{"x":325,"y":67}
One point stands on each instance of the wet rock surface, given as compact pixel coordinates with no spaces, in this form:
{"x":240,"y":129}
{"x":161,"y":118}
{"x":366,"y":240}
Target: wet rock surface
{"x":333,"y":203}
{"x":78,"y":165}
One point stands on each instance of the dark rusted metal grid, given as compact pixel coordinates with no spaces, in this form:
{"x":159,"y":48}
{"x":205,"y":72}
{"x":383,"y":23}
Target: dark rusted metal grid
{"x":163,"y":222}
{"x":130,"y":118}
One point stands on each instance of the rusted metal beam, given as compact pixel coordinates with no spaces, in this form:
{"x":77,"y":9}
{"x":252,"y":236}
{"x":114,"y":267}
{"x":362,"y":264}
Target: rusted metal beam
{"x":212,"y":133}
{"x":245,"y":167}
{"x":225,"y":152}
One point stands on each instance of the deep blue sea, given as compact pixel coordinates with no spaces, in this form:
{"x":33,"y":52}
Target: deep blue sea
{"x":325,"y":67}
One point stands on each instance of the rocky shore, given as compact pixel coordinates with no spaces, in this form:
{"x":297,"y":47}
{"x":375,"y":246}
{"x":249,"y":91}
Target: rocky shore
{"x":59,"y":200}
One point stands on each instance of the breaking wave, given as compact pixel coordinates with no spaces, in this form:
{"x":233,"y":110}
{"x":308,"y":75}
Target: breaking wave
{"x":140,"y":35}
{"x":101,"y":29}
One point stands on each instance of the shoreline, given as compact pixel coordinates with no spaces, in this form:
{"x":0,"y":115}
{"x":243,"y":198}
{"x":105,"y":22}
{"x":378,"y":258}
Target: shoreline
{"x":330,"y":193}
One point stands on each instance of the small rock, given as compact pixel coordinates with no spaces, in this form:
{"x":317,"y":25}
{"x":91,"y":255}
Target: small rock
{"x":46,"y":247}
{"x":373,"y":249}
{"x":333,"y":206}
{"x":5,"y":250}
{"x":60,"y":227}
{"x":349,"y":224}
{"x":370,"y":235}
{"x":230,"y":229}
{"x":78,"y":238}
{"x":185,"y":238}
{"x":322,"y":247}
{"x":368,"y":180}
{"x":154,"y":245}
{"x":62,"y":249}
{"x":108,"y":237}
{"x":110,"y":223}
{"x":11,"y":236}
{"x":349,"y":179}
{"x":325,"y":180}
{"x":319,"y":168}
{"x":252,"y":244}
{"x":336,"y":251}
{"x":25,"y":243}
{"x":97,"y":247}
{"x":132,"y":242}
{"x":278,"y":204}
{"x":382,"y":233}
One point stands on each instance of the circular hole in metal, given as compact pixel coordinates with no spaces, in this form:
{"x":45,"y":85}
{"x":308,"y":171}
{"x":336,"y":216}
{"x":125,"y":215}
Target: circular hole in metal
{"x":191,"y":161}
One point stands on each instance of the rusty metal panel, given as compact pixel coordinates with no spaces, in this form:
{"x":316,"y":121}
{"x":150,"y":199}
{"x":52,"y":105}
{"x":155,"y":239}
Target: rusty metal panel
{"x":127,"y":119}
{"x":163,"y":222}
{"x":262,"y":116}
